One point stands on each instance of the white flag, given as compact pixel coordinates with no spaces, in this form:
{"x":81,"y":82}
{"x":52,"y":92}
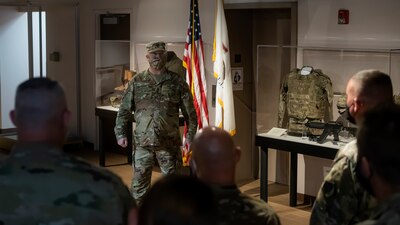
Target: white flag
{"x":224,"y":111}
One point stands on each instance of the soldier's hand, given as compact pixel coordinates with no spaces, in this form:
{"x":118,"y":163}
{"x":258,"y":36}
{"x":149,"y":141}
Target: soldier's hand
{"x":123,"y":142}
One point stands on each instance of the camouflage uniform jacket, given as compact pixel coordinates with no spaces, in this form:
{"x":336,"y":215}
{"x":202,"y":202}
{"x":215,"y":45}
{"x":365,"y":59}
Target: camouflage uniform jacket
{"x":303,"y":98}
{"x":342,"y":199}
{"x":387,"y":213}
{"x":156,"y":103}
{"x":237,"y":208}
{"x":40,"y":184}
{"x":175,"y":64}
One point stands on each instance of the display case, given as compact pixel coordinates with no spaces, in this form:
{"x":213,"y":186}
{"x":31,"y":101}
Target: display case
{"x":275,"y":62}
{"x":112,"y":71}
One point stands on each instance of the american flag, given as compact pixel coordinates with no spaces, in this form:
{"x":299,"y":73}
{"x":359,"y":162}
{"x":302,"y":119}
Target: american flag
{"x":224,"y":109}
{"x":193,"y":61}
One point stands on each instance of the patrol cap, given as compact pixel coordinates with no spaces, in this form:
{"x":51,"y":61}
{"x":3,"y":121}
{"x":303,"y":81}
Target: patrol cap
{"x":155,"y":46}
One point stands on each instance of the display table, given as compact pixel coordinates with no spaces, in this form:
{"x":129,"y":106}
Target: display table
{"x":109,"y":113}
{"x":105,"y":113}
{"x":277,"y":139}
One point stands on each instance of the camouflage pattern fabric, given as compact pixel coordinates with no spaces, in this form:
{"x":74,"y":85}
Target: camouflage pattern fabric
{"x":175,"y":64}
{"x":236,"y":208}
{"x":387,"y":213}
{"x":342,"y":199}
{"x":155,"y":46}
{"x":156,"y":100}
{"x":42,"y":185}
{"x":341,"y":103}
{"x":304,"y":98}
{"x":143,"y":166}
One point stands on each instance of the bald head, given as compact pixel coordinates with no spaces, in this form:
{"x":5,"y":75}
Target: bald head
{"x":215,"y":156}
{"x":40,"y":111}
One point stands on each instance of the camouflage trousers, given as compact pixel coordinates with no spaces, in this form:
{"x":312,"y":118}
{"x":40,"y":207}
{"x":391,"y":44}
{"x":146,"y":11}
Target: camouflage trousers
{"x":143,"y":162}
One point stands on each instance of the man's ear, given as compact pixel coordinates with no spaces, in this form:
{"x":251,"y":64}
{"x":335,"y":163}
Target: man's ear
{"x":13,"y":117}
{"x":365,"y":168}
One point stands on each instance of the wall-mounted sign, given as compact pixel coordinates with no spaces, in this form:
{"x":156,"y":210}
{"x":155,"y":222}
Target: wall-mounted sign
{"x":237,"y":78}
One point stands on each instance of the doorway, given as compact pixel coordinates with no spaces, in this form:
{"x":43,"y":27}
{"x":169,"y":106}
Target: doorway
{"x":250,"y":27}
{"x":112,"y":69}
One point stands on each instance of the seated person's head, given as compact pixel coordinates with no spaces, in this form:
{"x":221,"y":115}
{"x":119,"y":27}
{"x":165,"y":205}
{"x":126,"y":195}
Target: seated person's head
{"x":178,"y":200}
{"x":214,"y":156}
{"x":41,"y":112}
{"x":378,"y":142}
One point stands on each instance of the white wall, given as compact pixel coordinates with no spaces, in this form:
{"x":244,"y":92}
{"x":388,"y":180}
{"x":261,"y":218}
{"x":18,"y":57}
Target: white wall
{"x":61,"y":38}
{"x":13,"y":58}
{"x":373,"y":24}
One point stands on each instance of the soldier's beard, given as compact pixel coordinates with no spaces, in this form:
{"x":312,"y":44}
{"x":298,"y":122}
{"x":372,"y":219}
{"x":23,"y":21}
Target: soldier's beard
{"x":157,"y":64}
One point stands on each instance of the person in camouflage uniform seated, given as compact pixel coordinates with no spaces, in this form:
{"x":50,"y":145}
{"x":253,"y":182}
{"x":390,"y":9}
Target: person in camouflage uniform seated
{"x":341,"y":198}
{"x":155,"y":96}
{"x":214,"y":161}
{"x":40,"y":184}
{"x":379,"y":163}
{"x":178,"y":200}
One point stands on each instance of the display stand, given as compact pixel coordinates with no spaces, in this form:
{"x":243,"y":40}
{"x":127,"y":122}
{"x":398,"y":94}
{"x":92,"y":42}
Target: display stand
{"x":294,"y":145}
{"x":103,"y":114}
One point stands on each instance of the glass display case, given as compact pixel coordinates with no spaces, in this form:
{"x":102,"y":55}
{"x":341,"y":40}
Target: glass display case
{"x":275,"y":62}
{"x":112,"y":71}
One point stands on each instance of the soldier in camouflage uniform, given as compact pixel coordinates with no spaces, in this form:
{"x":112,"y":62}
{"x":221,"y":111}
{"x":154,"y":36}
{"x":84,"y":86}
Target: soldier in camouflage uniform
{"x":155,"y":96}
{"x":213,"y":161}
{"x":304,"y":98}
{"x":39,"y":183}
{"x":379,"y":162}
{"x":342,"y":199}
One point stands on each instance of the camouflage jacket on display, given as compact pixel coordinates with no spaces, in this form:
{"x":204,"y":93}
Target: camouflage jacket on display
{"x":387,"y":213}
{"x":156,"y":100}
{"x":236,"y":208}
{"x":304,"y":98}
{"x":342,"y":199}
{"x":43,"y":185}
{"x":175,"y":64}
{"x":397,"y":99}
